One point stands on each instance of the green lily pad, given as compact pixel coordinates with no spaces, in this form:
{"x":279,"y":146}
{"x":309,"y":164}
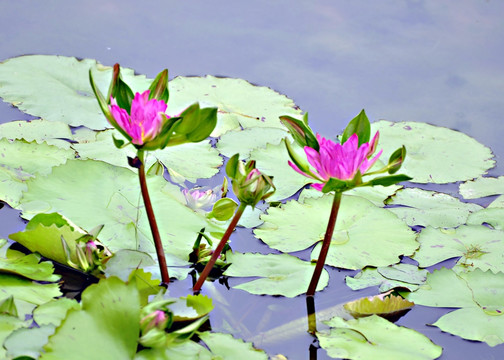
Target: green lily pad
{"x":87,"y":190}
{"x":25,"y":81}
{"x":54,"y":311}
{"x":365,"y":235}
{"x":481,"y":187}
{"x":20,"y":161}
{"x":8,"y":324}
{"x":497,"y":203}
{"x":375,"y":338}
{"x":396,"y":276}
{"x":18,"y":347}
{"x":476,"y":245}
{"x":50,"y":132}
{"x":386,"y":307}
{"x":191,"y":307}
{"x":493,"y":216}
{"x":429,"y":157}
{"x":240,"y":103}
{"x":105,"y":329}
{"x":29,"y":267}
{"x":278,"y":274}
{"x":430,"y":208}
{"x":187,"y":350}
{"x":246,"y":140}
{"x":225,"y":346}
{"x":479,"y":294}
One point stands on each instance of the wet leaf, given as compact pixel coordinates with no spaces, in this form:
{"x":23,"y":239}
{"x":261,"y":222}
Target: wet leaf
{"x":476,"y":245}
{"x":239,"y":103}
{"x":29,"y":267}
{"x":435,"y":154}
{"x":386,"y":307}
{"x":481,"y":187}
{"x":20,"y":161}
{"x":365,"y":235}
{"x":25,"y":81}
{"x":375,"y":338}
{"x":278,"y":274}
{"x":400,"y":275}
{"x":430,"y":208}
{"x":105,"y":329}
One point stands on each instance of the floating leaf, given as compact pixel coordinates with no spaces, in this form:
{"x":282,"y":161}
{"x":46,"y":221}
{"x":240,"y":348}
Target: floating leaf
{"x":54,"y":311}
{"x":396,"y":276}
{"x":479,"y":294}
{"x":278,"y":274}
{"x":476,"y":245}
{"x":497,"y":203}
{"x":29,"y":267}
{"x":191,"y":307}
{"x":365,"y":235}
{"x":435,"y":154}
{"x":19,"y":348}
{"x":239,"y":103}
{"x":26,"y":290}
{"x":87,"y":190}
{"x":25,"y":81}
{"x":384,"y":306}
{"x":105,"y":329}
{"x":481,"y":187}
{"x":7,"y":326}
{"x":246,"y":140}
{"x":225,"y":346}
{"x":20,"y":161}
{"x":493,"y":216}
{"x":187,"y":350}
{"x":421,"y":207}
{"x":50,"y":132}
{"x":375,"y":338}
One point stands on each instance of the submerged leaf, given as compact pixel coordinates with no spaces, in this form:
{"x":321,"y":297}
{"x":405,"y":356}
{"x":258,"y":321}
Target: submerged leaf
{"x":387,"y":307}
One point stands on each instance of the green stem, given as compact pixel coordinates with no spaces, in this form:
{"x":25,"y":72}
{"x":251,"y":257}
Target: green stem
{"x":325,"y":244}
{"x":218,"y":249}
{"x":163,"y":268}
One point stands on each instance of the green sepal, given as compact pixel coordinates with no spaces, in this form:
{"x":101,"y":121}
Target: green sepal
{"x":223,"y":209}
{"x":396,"y":160}
{"x":359,"y":125}
{"x":105,"y":108}
{"x":118,"y":142}
{"x":387,"y":180}
{"x":159,"y":87}
{"x":196,"y":125}
{"x":300,"y":131}
{"x":232,"y":166}
{"x":120,"y":91}
{"x":206,"y":124}
{"x":303,"y":166}
{"x":164,"y":136}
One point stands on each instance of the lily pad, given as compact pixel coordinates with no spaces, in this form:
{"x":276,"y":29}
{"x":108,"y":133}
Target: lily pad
{"x":429,"y":157}
{"x":225,"y":346}
{"x":278,"y":274}
{"x":479,"y":294}
{"x":375,"y":338}
{"x":476,"y":245}
{"x":421,"y":207}
{"x":240,"y":103}
{"x":497,"y":203}
{"x":384,"y":306}
{"x":20,"y":161}
{"x":87,"y":190}
{"x":365,"y":235}
{"x":7,"y":326}
{"x":29,"y":267}
{"x":376,"y":194}
{"x":50,"y":132}
{"x":493,"y":216}
{"x":396,"y":276}
{"x":18,"y":347}
{"x":481,"y":187}
{"x":25,"y":81}
{"x":26,"y":290}
{"x":246,"y":140}
{"x":191,"y":307}
{"x":105,"y":329}
{"x":53,"y":312}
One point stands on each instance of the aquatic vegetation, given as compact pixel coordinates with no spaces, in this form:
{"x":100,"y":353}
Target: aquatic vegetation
{"x":68,"y":174}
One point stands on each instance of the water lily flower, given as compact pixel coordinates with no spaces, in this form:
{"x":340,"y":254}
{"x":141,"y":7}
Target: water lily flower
{"x":339,"y":161}
{"x":145,"y":120}
{"x":202,"y":198}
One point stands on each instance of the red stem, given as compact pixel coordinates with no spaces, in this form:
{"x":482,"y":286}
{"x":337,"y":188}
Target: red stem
{"x":325,"y":245}
{"x":218,"y":249}
{"x":165,"y":278}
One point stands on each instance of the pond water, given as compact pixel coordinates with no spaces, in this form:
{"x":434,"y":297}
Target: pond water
{"x":427,"y":61}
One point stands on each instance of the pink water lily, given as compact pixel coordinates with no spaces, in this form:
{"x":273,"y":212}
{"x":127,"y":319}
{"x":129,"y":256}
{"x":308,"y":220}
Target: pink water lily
{"x":144,"y":122}
{"x":339,"y":161}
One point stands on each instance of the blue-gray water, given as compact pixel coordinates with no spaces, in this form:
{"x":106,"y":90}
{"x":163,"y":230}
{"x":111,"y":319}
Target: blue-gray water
{"x":433,"y":61}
